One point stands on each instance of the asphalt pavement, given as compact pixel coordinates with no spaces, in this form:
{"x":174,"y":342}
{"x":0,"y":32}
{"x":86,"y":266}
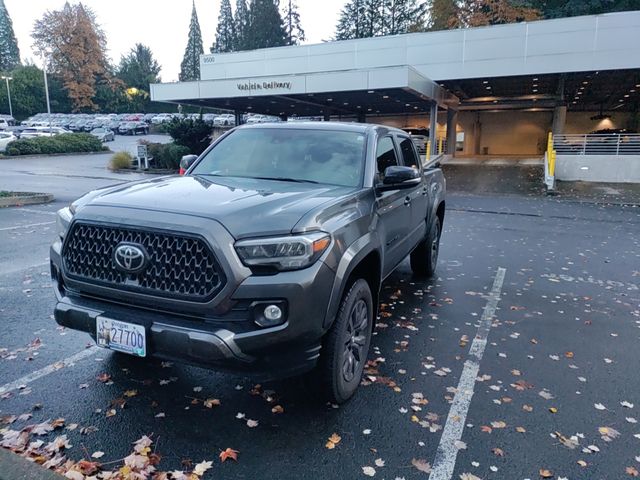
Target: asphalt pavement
{"x":516,"y":362}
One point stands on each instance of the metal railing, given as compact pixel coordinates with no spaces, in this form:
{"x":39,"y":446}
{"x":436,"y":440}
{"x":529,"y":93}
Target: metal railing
{"x":597,"y":144}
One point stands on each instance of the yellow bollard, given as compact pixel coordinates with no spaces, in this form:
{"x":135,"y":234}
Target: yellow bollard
{"x":440,"y":142}
{"x":428,"y":150}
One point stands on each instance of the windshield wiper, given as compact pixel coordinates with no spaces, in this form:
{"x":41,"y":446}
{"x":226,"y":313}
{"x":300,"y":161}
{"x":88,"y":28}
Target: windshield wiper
{"x":286,"y":179}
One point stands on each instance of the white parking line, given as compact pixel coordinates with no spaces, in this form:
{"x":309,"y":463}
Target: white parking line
{"x":33,"y":210}
{"x":26,"y":226}
{"x":54,"y":367}
{"x":445,"y":460}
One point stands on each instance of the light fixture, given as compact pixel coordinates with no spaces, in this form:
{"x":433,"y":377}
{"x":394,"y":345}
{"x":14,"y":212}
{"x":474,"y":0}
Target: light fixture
{"x":485,"y":81}
{"x":346,"y":103}
{"x":385,"y":96}
{"x":371,"y":91}
{"x":585,"y":83}
{"x":535,"y":79}
{"x":626,"y":96}
{"x":329,"y":99}
{"x":535,"y":91}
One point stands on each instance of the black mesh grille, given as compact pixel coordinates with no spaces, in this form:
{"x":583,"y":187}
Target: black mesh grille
{"x":179,"y":266}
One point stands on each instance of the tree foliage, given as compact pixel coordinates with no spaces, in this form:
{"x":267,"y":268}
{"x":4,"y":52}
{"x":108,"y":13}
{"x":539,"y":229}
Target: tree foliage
{"x":444,"y":15}
{"x":243,"y":18}
{"x":292,"y":23}
{"x":372,"y":18}
{"x":266,"y":27}
{"x":138,"y":68}
{"x":74,"y":47}
{"x":226,"y":31}
{"x":570,"y":8}
{"x":478,"y":13}
{"x":190,"y":66}
{"x":191,"y":133}
{"x":9,"y":52}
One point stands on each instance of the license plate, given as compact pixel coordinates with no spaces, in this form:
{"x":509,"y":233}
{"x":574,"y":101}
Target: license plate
{"x":121,"y":336}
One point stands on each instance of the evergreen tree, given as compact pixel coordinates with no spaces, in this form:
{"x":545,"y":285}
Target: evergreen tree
{"x":295,"y":33}
{"x":444,"y":15}
{"x":138,"y":68}
{"x":9,"y":52}
{"x":226,"y":31}
{"x":402,"y":16}
{"x":190,"y":66}
{"x":571,"y":8}
{"x":266,"y":28}
{"x":352,"y":22}
{"x":242,"y":24}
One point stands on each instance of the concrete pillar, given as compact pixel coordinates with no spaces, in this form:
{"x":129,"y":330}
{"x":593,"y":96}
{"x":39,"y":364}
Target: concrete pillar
{"x":362,"y":117}
{"x":433,"y":122}
{"x":238,"y":117}
{"x":559,"y":119}
{"x":284,"y":118}
{"x":477,"y":135}
{"x":327,"y":116}
{"x":452,"y":122}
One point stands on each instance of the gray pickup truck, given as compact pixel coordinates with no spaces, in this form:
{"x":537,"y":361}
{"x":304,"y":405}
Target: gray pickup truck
{"x":266,"y":257}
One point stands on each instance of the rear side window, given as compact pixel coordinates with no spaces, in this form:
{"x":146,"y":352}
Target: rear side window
{"x":408,"y":153}
{"x":385,"y":155}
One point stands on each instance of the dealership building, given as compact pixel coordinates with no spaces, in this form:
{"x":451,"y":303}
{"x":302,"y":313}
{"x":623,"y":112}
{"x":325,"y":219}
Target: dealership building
{"x":494,"y":90}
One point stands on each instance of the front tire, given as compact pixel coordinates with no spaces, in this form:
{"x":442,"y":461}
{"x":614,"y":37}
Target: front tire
{"x":346,"y":345}
{"x":424,"y":258}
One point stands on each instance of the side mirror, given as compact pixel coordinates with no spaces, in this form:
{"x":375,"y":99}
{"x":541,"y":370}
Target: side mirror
{"x":401,"y":177}
{"x":186,"y":162}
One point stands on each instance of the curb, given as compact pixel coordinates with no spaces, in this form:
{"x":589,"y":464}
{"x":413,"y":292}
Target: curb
{"x":15,"y":467}
{"x":25,"y":198}
{"x":46,"y":155}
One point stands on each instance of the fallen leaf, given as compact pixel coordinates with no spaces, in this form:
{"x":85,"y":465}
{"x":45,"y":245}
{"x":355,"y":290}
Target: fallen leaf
{"x":468,"y":476}
{"x":130,"y":393}
{"x":544,"y":473}
{"x":632,"y":471}
{"x":229,"y":453}
{"x":252,"y":423}
{"x":369,"y":471}
{"x":103,"y":377}
{"x":599,"y":406}
{"x":333,"y":441}
{"x":379,"y":462}
{"x":211,"y":402}
{"x":498,"y":424}
{"x":498,"y":452}
{"x":202,"y":467}
{"x":97,"y":454}
{"x":421,"y":465}
{"x":277,"y":409}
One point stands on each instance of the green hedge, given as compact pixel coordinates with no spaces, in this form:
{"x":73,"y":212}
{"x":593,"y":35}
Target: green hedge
{"x":65,"y":143}
{"x":167,"y":155}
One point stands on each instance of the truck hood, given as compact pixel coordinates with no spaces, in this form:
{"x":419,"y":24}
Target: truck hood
{"x":245,"y":206}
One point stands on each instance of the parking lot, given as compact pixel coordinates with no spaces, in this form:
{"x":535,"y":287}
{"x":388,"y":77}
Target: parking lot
{"x":517,"y":362}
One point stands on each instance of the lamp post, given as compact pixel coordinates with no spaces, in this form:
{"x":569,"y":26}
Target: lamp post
{"x":9,"y":94}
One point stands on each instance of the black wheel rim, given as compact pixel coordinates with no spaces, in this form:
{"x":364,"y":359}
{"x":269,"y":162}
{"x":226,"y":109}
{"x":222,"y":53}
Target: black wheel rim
{"x":435,"y":244}
{"x":355,"y":341}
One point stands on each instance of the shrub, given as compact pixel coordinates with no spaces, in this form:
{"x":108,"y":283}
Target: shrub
{"x":65,"y":143}
{"x":120,"y":160}
{"x":167,"y":155}
{"x":190,"y":133}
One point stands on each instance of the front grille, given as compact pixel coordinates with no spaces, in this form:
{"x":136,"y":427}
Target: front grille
{"x":180,"y":266}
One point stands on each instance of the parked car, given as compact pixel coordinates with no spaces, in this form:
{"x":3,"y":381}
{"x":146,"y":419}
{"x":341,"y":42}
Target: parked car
{"x":104,"y":134}
{"x":34,"y":132}
{"x":420,"y":137}
{"x":133,"y":128}
{"x":162,"y":118}
{"x":4,"y":123}
{"x":5,"y":139}
{"x":225,"y":120}
{"x":267,"y":256}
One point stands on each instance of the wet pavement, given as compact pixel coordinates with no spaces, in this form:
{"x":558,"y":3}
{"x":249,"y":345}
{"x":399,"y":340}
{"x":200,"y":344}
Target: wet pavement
{"x":517,"y":362}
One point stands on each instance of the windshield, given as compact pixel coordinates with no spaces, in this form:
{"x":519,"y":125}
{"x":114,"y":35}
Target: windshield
{"x":315,"y":156}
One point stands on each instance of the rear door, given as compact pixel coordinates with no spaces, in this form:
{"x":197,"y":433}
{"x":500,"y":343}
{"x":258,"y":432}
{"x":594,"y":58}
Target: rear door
{"x":394,"y":208}
{"x":418,"y":195}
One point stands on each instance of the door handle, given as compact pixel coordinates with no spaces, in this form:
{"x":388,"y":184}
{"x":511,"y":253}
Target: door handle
{"x":407,"y":201}
{"x":425,"y":191}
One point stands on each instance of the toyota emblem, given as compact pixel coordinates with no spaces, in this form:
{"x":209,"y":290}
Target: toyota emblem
{"x":130,"y":258}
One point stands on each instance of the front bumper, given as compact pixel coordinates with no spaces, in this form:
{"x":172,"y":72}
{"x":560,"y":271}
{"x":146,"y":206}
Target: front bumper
{"x":226,"y":340}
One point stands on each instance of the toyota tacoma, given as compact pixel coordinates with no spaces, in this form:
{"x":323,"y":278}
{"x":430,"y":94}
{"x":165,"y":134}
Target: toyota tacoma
{"x":266,"y":257}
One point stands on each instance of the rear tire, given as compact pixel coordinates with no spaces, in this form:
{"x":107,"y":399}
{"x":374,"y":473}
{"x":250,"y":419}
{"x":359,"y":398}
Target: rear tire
{"x":346,"y":344}
{"x":424,"y":258}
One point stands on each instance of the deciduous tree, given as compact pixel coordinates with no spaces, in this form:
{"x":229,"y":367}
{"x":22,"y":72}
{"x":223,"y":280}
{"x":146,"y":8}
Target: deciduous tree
{"x":9,"y":52}
{"x":226,"y":31}
{"x":478,"y":13}
{"x":190,"y":66}
{"x":444,"y":15}
{"x":74,"y":47}
{"x":292,"y":24}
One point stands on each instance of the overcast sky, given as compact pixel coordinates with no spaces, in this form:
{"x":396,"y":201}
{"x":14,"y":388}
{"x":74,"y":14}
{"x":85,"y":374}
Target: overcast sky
{"x":160,"y":24}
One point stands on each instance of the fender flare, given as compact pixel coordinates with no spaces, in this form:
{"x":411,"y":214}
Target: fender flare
{"x":356,"y":252}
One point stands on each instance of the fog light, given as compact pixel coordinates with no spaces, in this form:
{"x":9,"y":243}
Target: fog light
{"x":273,"y":313}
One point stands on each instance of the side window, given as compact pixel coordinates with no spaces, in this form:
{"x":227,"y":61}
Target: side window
{"x":408,"y":152}
{"x":385,"y":155}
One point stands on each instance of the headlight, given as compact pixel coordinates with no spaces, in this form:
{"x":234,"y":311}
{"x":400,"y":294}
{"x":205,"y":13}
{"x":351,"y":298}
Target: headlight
{"x":284,"y":253}
{"x":63,"y":219}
